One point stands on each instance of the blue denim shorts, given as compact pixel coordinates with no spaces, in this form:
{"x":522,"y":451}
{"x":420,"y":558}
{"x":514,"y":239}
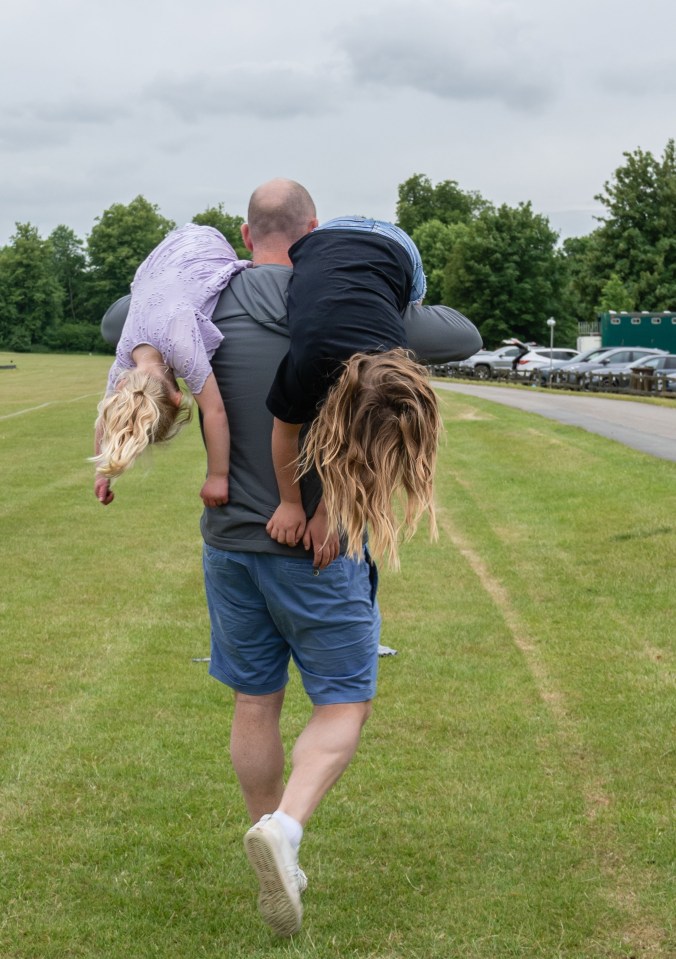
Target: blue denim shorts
{"x":266,"y":609}
{"x":364,"y":224}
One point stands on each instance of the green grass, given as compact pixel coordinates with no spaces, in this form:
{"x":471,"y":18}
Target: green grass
{"x":513,"y":794}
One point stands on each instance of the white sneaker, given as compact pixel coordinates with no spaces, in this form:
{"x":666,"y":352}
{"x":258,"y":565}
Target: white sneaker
{"x":275,"y":862}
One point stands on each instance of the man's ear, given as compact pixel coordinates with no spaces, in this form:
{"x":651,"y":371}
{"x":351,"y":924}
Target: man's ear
{"x":313,"y":225}
{"x":246,"y":236}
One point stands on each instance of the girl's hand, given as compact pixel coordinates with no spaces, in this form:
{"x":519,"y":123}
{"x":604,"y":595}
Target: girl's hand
{"x":102,"y":490}
{"x":325,"y":546}
{"x":287,"y":524}
{"x":215,"y":491}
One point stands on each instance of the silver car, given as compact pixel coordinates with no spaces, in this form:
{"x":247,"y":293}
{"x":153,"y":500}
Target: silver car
{"x":486,"y":363}
{"x":543,"y":357}
{"x":661,"y":365}
{"x":611,"y":361}
{"x":594,"y":354}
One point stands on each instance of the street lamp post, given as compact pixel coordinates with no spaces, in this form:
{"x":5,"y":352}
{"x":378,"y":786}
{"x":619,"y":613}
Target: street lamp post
{"x":551,"y":323}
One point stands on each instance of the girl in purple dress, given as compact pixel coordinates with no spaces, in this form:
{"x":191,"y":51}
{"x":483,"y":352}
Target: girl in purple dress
{"x":168,"y":333}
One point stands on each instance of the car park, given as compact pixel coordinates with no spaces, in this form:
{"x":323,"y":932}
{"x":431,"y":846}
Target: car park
{"x":605,"y":367}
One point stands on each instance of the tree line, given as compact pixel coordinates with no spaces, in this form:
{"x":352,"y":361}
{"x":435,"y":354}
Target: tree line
{"x":54,"y":291}
{"x":503,"y":266}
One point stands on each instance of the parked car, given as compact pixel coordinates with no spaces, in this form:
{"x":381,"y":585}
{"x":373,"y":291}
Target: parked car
{"x":664,"y":369}
{"x":592,"y":355}
{"x":544,"y":357}
{"x":611,"y":361}
{"x":486,"y":363}
{"x":666,"y":381}
{"x":659,"y":364}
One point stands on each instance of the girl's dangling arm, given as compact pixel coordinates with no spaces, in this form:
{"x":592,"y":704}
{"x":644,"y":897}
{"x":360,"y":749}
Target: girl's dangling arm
{"x":214,"y":492}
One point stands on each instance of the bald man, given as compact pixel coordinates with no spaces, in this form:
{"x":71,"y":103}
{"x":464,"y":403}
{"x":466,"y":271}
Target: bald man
{"x":269,"y":602}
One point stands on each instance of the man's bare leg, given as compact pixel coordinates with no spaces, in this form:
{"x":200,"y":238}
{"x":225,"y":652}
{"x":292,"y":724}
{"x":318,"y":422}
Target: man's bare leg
{"x":321,"y":755}
{"x":256,"y":751}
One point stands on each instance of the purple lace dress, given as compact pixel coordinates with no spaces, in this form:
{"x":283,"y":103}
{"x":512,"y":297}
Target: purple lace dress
{"x":173,"y":298}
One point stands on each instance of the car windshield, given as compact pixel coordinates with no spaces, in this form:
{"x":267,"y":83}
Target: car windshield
{"x":591,"y":355}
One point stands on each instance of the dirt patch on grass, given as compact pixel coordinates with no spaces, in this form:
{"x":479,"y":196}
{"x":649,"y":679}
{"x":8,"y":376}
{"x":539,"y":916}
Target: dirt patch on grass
{"x":470,"y":413}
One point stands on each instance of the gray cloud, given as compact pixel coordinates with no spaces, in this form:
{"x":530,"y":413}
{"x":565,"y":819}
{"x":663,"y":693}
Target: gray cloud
{"x":639,"y":78}
{"x":270,"y":91}
{"x":481,"y":52}
{"x":41,"y":124}
{"x":351,"y":99}
{"x":17,"y":136}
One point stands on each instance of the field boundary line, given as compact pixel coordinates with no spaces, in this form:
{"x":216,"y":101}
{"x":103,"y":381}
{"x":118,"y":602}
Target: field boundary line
{"x":42,"y":406}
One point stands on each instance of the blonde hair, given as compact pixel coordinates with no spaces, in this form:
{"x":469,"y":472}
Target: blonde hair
{"x":377,"y":434}
{"x":140,"y":412}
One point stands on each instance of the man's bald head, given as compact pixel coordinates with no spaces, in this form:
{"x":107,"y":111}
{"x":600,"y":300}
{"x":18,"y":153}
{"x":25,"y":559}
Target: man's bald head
{"x":280,"y":208}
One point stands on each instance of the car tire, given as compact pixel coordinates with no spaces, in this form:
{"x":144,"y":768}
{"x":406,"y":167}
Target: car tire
{"x":482,"y":371}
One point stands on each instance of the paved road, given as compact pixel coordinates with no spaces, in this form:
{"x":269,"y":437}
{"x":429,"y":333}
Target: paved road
{"x":650,"y":429}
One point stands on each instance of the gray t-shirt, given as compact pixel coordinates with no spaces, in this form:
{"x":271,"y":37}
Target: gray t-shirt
{"x":252,"y":319}
{"x":251,"y":315}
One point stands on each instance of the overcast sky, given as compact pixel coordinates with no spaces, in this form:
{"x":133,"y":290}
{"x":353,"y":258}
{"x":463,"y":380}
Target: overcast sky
{"x":195,"y":103}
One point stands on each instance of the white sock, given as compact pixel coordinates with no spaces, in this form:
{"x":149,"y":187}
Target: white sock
{"x":292,"y":828}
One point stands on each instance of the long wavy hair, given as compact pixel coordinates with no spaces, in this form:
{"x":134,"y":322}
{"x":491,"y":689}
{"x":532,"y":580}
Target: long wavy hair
{"x":140,"y":411}
{"x":374,"y":440}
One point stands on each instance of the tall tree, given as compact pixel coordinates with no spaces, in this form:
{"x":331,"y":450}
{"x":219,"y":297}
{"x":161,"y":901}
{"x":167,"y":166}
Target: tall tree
{"x":615,"y":296}
{"x":121,"y":238}
{"x":8,"y":308}
{"x":31,"y":300}
{"x":637,"y":239}
{"x":420,"y":201}
{"x":435,"y":241}
{"x":586,"y":271}
{"x":506,"y":274}
{"x":70,"y":269}
{"x":227,"y":224}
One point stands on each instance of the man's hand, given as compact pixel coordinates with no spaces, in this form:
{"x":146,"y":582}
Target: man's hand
{"x":215,"y":491}
{"x":287,"y":524}
{"x":324,"y":546}
{"x":102,"y":490}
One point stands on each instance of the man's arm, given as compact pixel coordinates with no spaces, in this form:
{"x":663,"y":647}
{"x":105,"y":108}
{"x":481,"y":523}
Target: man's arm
{"x":439,"y":334}
{"x":113,"y":319}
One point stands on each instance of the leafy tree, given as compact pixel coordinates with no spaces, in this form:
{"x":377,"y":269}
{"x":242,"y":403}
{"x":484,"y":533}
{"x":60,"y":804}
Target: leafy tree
{"x":70,"y":268}
{"x":637,"y":239}
{"x":75,"y":338}
{"x":506,"y":274}
{"x":121,"y":238}
{"x":31,"y":300}
{"x":8,"y":310}
{"x":615,"y":296}
{"x":228,"y":225}
{"x":435,"y":241}
{"x":585,"y":269}
{"x":419,"y":201}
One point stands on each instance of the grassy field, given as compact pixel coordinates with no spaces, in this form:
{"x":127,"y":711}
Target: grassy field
{"x":513,"y":795}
